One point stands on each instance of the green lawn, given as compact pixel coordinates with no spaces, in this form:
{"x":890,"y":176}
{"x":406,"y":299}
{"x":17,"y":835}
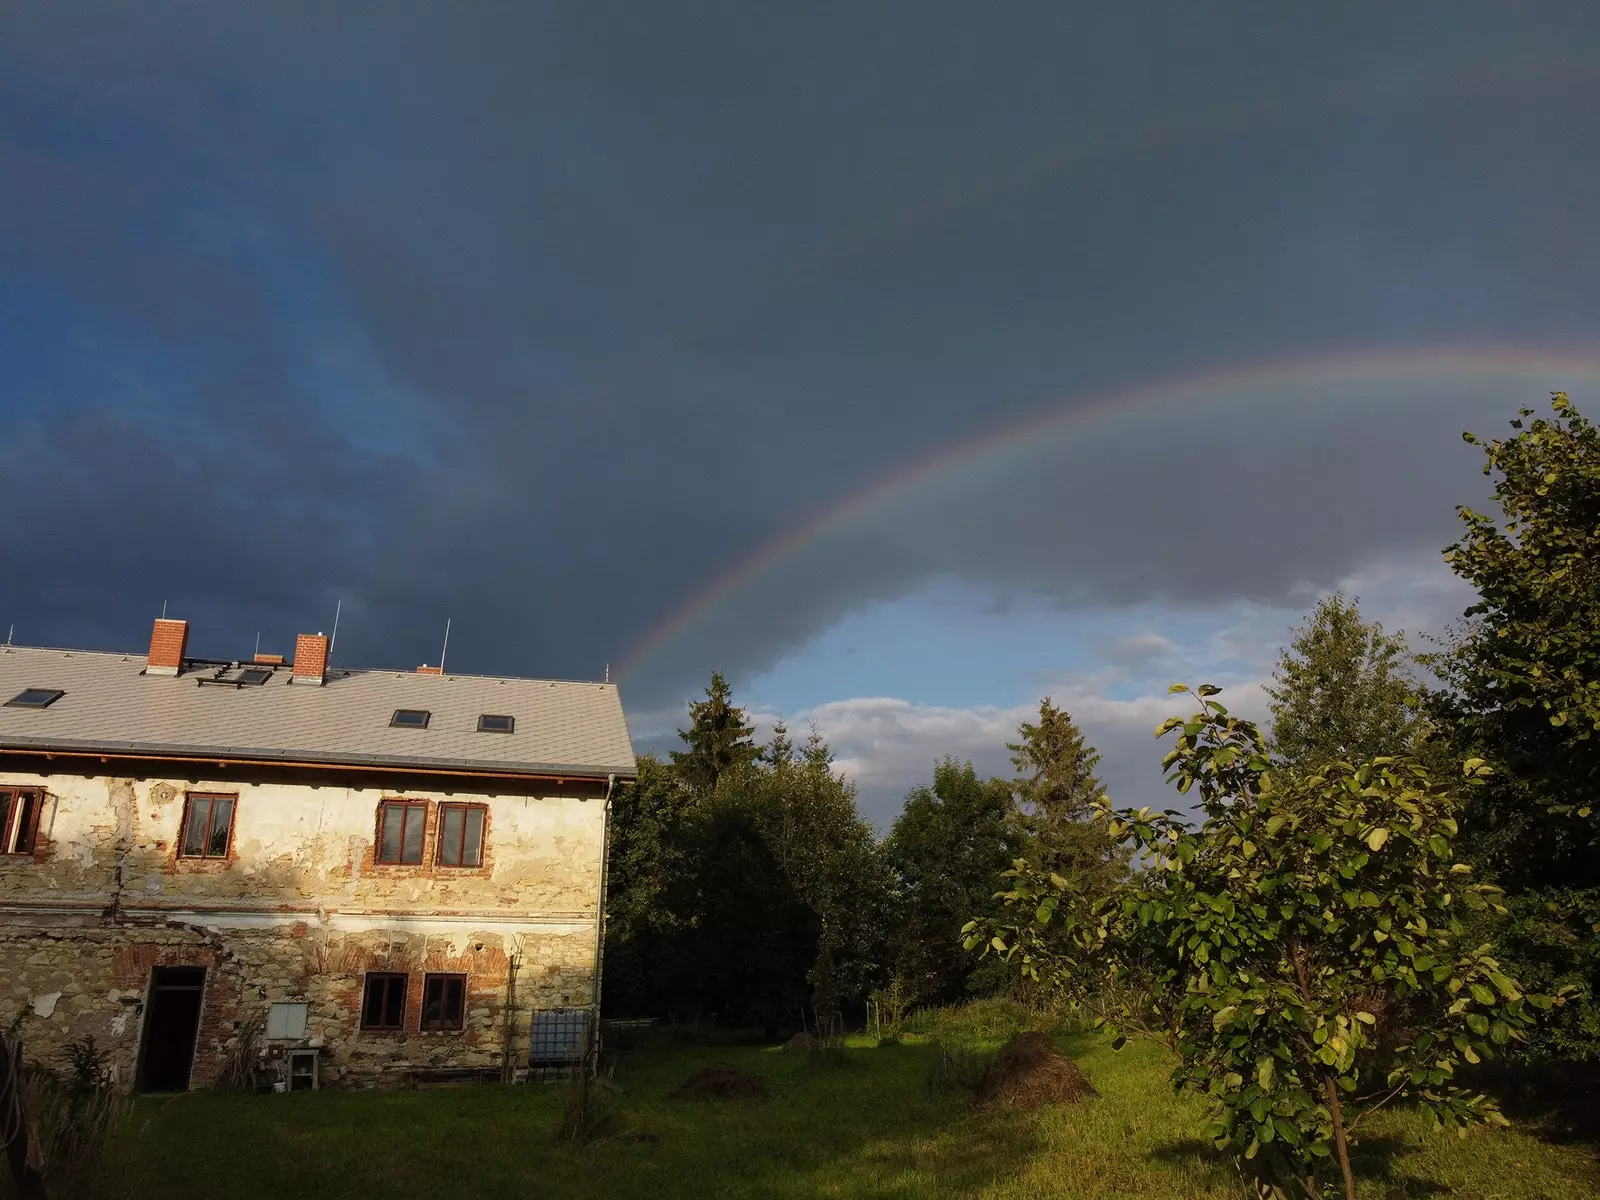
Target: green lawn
{"x":870,"y":1129}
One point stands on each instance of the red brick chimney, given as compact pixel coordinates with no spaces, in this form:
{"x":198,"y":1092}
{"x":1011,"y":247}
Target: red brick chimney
{"x":310,"y":657}
{"x":427,"y":670}
{"x":168,"y":640}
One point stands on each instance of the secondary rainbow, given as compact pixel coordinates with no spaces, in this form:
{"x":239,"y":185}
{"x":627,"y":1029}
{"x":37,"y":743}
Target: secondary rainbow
{"x":1241,"y":385}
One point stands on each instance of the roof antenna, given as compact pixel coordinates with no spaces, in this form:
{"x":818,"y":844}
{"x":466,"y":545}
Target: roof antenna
{"x":608,"y":672}
{"x":446,"y":644}
{"x":9,"y":632}
{"x":163,"y":610}
{"x":258,"y":643}
{"x":336,"y":608}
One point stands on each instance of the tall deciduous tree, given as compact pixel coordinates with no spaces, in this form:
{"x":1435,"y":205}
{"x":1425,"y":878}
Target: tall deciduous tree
{"x":1342,"y":691}
{"x":1521,"y":680}
{"x":948,"y":848}
{"x":1057,"y":790}
{"x":718,"y":738}
{"x":647,"y":859}
{"x":1525,"y":671}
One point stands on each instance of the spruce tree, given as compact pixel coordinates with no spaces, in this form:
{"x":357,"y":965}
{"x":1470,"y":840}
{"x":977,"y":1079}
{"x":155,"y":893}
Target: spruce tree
{"x":718,"y":739}
{"x":1056,"y":790}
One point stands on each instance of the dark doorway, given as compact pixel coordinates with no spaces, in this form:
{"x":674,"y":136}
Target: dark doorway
{"x":170,"y":1026}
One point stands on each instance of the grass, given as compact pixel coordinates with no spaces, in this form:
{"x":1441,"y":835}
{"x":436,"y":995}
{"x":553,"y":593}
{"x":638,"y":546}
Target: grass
{"x":875,"y":1128}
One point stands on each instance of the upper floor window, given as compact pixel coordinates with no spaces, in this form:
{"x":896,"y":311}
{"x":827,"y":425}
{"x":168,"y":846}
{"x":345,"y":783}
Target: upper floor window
{"x":460,"y":835}
{"x":207,"y":826}
{"x":19,"y":820}
{"x":401,"y":825}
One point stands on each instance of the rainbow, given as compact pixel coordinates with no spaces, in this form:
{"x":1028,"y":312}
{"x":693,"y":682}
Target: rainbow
{"x":1214,"y":392}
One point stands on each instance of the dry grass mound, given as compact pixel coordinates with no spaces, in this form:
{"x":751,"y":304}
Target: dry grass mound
{"x":722,"y":1081}
{"x":1029,"y":1071}
{"x":800,"y":1043}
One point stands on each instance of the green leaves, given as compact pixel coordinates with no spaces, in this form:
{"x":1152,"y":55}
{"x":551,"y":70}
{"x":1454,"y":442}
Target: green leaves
{"x":1377,"y":838}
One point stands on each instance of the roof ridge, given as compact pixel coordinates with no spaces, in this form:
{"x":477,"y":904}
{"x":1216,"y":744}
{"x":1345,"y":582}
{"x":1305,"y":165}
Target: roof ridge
{"x":140,"y":655}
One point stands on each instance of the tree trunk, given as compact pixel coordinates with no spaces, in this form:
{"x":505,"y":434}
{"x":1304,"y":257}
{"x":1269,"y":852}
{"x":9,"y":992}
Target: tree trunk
{"x":1339,"y":1142}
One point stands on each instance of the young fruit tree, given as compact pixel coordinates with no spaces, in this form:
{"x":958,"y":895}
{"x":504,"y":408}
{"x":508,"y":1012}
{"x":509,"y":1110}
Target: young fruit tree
{"x":1310,"y":933}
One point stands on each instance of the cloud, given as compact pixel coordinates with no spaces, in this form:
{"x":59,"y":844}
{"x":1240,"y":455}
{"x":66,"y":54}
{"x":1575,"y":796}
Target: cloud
{"x":541,"y":321}
{"x":1140,"y":649}
{"x":890,"y":745}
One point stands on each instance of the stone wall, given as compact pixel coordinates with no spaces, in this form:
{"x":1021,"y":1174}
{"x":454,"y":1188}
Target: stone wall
{"x":81,"y":976}
{"x":298,"y":910}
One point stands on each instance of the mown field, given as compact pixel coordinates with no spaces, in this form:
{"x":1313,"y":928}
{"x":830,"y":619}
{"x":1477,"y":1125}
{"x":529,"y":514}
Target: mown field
{"x":872,"y":1127}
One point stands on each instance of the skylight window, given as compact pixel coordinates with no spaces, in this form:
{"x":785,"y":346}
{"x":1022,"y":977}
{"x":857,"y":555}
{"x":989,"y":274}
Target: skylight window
{"x":254,"y":675}
{"x":410,"y":718}
{"x":35,"y":698}
{"x":491,"y":723}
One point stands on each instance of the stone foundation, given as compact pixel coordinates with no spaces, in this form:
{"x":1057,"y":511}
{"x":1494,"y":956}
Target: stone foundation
{"x":71,"y":977}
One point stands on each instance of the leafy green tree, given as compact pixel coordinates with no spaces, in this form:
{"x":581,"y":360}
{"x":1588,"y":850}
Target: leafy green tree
{"x":807,"y":814}
{"x":647,"y":857}
{"x":1521,"y":688}
{"x":1342,"y":691}
{"x":947,"y":849}
{"x":1303,"y":915}
{"x":718,"y":739}
{"x":1526,"y":672}
{"x":748,"y":901}
{"x":1057,"y":790}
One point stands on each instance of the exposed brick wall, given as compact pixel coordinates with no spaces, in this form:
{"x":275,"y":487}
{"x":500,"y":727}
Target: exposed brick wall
{"x":168,"y":642}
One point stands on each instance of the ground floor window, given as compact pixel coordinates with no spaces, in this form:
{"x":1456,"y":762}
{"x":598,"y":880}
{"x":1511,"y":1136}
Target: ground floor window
{"x":383,"y":1001}
{"x":444,"y":1001}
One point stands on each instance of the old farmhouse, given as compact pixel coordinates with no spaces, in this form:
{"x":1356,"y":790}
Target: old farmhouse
{"x":331,"y":877}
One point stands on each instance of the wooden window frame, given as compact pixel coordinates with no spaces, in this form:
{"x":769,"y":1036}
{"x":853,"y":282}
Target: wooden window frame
{"x":443,"y":979}
{"x":12,"y":830}
{"x":210,"y":799}
{"x":377,"y":840}
{"x":483,"y":836}
{"x":388,"y":979}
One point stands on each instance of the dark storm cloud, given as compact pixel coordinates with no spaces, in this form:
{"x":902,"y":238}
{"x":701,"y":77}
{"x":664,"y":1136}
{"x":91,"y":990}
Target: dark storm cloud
{"x":631,"y":289}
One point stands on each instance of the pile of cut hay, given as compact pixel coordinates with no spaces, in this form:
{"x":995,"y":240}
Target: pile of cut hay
{"x":1029,"y":1071}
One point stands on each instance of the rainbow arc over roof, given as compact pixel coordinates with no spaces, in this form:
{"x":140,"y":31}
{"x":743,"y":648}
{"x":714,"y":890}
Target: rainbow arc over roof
{"x":1344,"y":377}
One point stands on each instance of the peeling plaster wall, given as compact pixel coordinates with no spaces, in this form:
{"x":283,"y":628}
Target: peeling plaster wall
{"x":299,"y":910}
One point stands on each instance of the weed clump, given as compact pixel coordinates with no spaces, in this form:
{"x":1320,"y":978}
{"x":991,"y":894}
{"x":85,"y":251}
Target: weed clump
{"x":722,"y":1081}
{"x":957,"y":1068}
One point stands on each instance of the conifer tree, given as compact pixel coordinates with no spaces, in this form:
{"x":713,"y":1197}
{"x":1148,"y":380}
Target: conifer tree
{"x":718,"y":739}
{"x":1056,"y":790}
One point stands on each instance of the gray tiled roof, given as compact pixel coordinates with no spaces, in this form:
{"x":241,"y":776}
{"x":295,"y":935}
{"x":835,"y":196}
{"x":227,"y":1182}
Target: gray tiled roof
{"x":110,"y":706}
